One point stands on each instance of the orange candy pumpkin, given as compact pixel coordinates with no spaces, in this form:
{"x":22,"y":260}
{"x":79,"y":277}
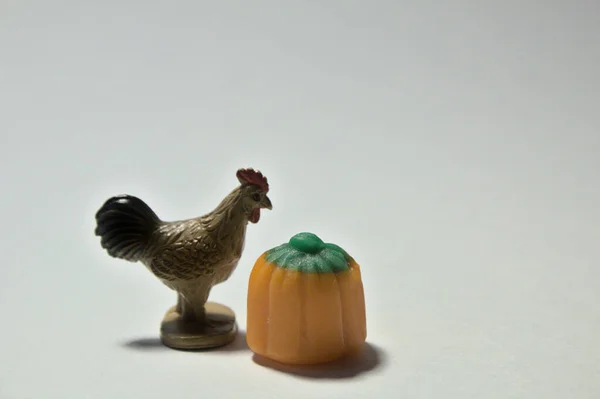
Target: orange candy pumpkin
{"x":306,"y":303}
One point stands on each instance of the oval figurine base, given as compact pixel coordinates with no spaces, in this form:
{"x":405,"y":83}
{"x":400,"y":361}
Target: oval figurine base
{"x":219,"y":329}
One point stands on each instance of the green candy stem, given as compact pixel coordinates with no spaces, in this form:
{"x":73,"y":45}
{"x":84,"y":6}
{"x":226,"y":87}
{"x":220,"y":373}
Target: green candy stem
{"x":307,"y":253}
{"x":307,"y":243}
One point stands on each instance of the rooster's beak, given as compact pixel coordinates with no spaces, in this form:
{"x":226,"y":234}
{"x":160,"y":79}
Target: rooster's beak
{"x":266,"y":203}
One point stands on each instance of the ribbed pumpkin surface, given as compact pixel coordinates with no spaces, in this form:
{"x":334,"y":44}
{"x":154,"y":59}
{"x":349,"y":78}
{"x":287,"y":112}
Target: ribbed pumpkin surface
{"x":305,"y":303}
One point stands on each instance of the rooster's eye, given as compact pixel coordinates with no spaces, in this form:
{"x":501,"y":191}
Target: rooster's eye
{"x":256,"y":197}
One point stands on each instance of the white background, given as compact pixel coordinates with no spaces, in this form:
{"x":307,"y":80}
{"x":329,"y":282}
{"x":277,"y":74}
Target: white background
{"x":453,"y":148}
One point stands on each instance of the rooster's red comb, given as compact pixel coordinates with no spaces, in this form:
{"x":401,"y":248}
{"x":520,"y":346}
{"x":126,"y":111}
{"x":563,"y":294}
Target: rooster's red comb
{"x":251,"y":176}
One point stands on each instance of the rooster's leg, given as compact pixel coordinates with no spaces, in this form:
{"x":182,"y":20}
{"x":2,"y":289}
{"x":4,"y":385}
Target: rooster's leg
{"x":179,"y":306}
{"x":189,"y":311}
{"x":193,"y":313}
{"x":192,"y":307}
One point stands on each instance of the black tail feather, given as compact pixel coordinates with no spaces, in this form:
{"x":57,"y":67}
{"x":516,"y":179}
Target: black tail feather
{"x":125,"y":224}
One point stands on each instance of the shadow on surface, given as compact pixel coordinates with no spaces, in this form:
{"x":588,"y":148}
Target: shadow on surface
{"x":368,"y":359}
{"x":144,"y":344}
{"x":153,"y":344}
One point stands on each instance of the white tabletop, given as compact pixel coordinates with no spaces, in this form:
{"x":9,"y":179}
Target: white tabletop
{"x":453,"y":150}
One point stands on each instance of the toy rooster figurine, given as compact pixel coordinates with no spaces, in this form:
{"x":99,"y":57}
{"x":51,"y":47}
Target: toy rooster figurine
{"x":189,"y":256}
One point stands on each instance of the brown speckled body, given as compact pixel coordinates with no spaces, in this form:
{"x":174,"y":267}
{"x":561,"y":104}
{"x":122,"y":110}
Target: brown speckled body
{"x":191,"y":256}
